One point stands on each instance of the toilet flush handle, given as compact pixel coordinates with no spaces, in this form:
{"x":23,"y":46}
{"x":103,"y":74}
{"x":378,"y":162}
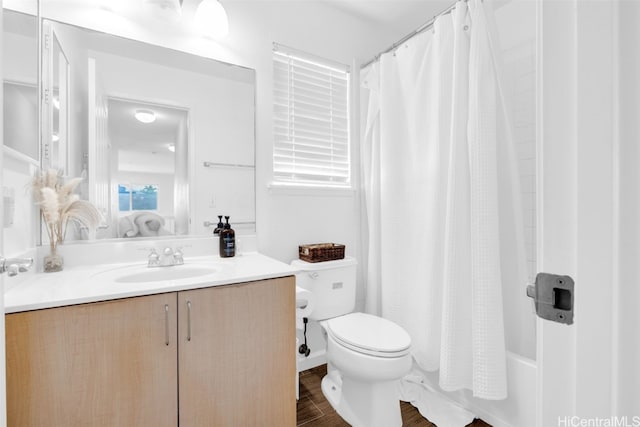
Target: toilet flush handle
{"x":314,"y":275}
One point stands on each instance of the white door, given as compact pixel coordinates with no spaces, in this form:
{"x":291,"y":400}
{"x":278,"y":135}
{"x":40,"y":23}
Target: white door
{"x":581,"y":197}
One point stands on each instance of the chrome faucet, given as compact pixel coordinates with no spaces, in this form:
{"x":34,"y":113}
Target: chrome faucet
{"x":13,"y":266}
{"x":168,"y":258}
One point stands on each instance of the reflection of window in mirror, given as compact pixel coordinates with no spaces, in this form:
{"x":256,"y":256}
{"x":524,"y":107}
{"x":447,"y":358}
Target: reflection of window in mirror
{"x":124,"y":197}
{"x":137,"y":197}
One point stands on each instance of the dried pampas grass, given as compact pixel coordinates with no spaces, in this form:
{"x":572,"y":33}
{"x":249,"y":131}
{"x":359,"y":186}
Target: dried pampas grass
{"x":59,"y":204}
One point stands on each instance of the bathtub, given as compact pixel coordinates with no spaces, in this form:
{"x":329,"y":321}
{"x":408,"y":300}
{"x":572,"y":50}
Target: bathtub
{"x":452,"y":409}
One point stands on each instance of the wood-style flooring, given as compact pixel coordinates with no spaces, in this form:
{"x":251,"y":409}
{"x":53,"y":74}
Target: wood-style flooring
{"x":315,"y":411}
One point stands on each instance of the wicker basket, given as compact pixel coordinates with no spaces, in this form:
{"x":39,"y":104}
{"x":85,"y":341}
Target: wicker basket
{"x":321,"y":252}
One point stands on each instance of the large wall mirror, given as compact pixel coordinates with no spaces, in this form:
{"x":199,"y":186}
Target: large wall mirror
{"x":164,"y":139}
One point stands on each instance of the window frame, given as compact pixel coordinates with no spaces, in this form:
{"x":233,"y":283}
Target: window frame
{"x":334,"y":182}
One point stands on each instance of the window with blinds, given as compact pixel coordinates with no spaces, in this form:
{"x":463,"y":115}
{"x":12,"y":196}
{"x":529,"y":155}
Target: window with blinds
{"x":311,"y":119}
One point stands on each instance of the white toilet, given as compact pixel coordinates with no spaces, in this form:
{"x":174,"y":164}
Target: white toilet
{"x":366,"y":354}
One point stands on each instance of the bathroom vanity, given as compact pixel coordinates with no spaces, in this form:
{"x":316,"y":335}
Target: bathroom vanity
{"x":213,"y":350}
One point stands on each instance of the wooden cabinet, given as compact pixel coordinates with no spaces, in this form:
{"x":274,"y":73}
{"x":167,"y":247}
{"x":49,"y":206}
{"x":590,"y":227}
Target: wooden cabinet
{"x":219,"y":356}
{"x":237,"y":361}
{"x":101,"y":364}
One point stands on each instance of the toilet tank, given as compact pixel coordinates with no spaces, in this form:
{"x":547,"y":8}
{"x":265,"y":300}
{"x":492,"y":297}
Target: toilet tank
{"x":332,"y":283}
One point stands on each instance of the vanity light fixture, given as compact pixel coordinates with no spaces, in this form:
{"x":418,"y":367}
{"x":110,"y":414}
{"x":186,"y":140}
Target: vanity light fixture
{"x":145,"y":116}
{"x":211,"y":19}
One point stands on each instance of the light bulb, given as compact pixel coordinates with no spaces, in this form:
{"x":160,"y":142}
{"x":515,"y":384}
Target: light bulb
{"x":211,"y":19}
{"x":145,"y":116}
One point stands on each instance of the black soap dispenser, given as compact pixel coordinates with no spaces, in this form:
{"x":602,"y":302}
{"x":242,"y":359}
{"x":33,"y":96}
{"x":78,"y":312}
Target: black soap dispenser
{"x":227,"y":241}
{"x":219,"y":227}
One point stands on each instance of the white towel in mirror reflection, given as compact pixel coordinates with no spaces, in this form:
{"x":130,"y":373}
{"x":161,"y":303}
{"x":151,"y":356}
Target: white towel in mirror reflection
{"x":142,"y":224}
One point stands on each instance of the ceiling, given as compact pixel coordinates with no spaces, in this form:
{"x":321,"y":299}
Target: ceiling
{"x":399,"y":16}
{"x":402,"y":16}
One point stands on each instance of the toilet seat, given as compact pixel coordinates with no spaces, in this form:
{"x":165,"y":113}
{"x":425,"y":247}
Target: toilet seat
{"x":368,"y":334}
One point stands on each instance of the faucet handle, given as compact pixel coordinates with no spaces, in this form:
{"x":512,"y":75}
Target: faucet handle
{"x":12,"y":270}
{"x":178,"y":256}
{"x":154,"y":258}
{"x":13,"y":266}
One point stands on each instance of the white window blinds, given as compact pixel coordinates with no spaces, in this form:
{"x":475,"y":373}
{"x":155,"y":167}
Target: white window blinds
{"x":311,"y":119}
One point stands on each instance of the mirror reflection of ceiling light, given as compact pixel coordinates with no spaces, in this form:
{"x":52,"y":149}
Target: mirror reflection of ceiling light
{"x":56,"y":103}
{"x":145,"y":116}
{"x":55,"y":137}
{"x":211,"y":19}
{"x":171,"y":147}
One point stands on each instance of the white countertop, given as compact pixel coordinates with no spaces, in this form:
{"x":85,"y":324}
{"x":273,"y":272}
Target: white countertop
{"x":83,"y":284}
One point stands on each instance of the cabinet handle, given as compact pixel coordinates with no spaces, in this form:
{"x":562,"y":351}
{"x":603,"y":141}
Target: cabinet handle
{"x":166,"y":324}
{"x":188,"y":320}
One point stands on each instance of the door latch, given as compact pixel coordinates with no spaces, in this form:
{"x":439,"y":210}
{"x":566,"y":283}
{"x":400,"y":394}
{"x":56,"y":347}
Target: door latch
{"x":553,"y":297}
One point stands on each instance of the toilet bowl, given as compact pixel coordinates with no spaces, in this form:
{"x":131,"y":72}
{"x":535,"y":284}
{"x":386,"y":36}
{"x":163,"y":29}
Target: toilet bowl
{"x":366,"y":354}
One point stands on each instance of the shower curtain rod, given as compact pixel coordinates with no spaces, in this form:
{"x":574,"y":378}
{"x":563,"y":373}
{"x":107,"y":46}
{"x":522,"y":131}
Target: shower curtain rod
{"x":414,"y":33}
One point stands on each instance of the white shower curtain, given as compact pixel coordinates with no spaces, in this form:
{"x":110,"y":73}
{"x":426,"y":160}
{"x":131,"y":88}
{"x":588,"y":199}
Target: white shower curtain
{"x":441,"y":197}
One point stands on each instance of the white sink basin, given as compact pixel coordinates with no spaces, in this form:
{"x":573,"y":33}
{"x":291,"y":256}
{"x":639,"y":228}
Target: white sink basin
{"x":142,"y":274}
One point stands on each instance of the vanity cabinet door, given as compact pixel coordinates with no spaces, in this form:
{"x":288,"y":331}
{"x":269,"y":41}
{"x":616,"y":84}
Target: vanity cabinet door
{"x":100,"y":364}
{"x":236,"y":359}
